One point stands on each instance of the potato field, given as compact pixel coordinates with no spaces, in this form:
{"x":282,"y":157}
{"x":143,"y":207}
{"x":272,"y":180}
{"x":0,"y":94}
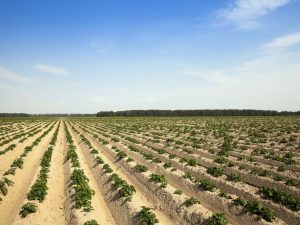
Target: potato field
{"x":150,"y":170}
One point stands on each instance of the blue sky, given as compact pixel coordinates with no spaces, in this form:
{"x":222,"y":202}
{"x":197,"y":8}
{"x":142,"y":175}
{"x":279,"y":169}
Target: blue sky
{"x":88,"y":56}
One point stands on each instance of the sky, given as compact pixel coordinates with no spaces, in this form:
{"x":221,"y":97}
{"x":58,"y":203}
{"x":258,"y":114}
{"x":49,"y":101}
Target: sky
{"x":85,"y":56}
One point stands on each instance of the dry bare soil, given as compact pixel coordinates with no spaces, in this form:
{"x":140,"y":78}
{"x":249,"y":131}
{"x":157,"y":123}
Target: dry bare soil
{"x":126,"y":171}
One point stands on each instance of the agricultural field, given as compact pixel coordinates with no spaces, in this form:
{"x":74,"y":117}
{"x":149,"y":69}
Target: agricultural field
{"x":144,"y":170}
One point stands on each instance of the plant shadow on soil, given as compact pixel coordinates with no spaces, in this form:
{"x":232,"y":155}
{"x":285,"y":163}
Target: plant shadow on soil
{"x":65,"y":160}
{"x":136,"y":220}
{"x":242,"y":212}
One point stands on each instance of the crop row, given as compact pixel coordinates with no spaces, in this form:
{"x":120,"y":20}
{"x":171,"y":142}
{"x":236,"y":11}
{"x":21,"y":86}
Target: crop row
{"x":124,"y":188}
{"x":18,"y":163}
{"x":204,"y":183}
{"x":83,"y":192}
{"x":145,"y":215}
{"x":162,"y":182}
{"x":226,"y":148}
{"x":24,"y":134}
{"x":13,"y":130}
{"x":224,"y":161}
{"x":39,"y":189}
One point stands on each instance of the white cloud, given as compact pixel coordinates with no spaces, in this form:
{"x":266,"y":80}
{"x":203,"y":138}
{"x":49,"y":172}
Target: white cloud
{"x":270,"y":81}
{"x":283,"y":42}
{"x":244,"y":13}
{"x":97,"y":99}
{"x":267,"y":67}
{"x":11,"y":76}
{"x":51,"y":69}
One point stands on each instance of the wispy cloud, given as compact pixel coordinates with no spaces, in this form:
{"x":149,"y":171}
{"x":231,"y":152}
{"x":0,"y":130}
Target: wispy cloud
{"x":266,"y":81}
{"x":268,"y":68}
{"x":244,"y":13}
{"x":6,"y":74}
{"x":51,"y":69}
{"x":282,"y":42}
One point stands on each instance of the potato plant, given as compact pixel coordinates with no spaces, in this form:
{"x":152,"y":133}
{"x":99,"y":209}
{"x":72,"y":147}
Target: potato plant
{"x":107,"y":168}
{"x":218,"y":219}
{"x":206,"y":184}
{"x":27,"y":209}
{"x":286,"y":199}
{"x":99,"y":160}
{"x":178,"y":192}
{"x":39,"y":188}
{"x":18,"y":163}
{"x":262,"y":151}
{"x":91,"y":222}
{"x":147,"y":217}
{"x":9,"y":148}
{"x":191,"y":201}
{"x":256,"y":208}
{"x":215,"y":171}
{"x":121,"y":155}
{"x":124,"y":188}
{"x":4,"y":183}
{"x":159,"y":179}
{"x":140,"y":168}
{"x":83,"y":193}
{"x":234,"y":177}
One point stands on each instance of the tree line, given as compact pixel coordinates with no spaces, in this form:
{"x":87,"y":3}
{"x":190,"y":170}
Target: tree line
{"x":45,"y":115}
{"x":137,"y":113}
{"x":14,"y":115}
{"x":201,"y":112}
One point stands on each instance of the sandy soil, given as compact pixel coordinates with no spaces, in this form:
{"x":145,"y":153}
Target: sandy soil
{"x":58,"y":207}
{"x":246,"y":190}
{"x":101,"y":212}
{"x":51,"y":211}
{"x":16,"y":129}
{"x":7,"y":159}
{"x":16,"y":141}
{"x":11,"y":203}
{"x":140,"y":198}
